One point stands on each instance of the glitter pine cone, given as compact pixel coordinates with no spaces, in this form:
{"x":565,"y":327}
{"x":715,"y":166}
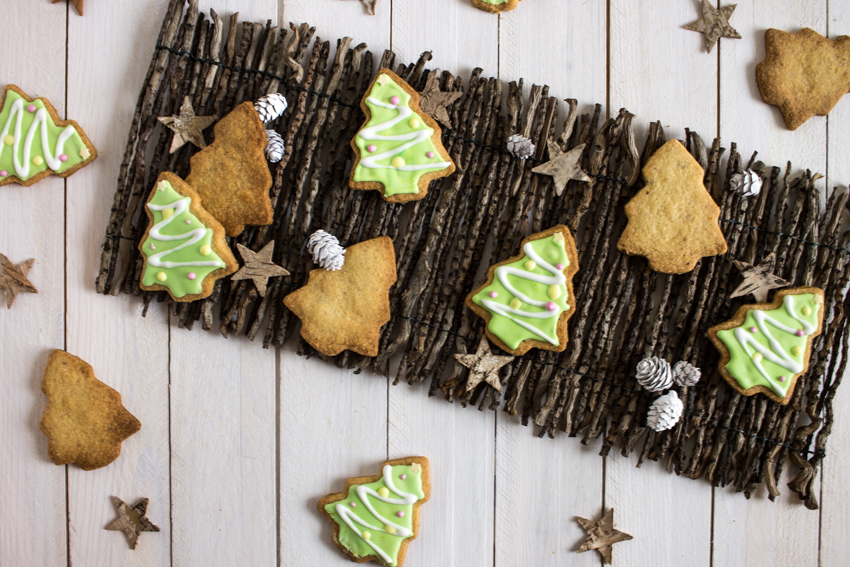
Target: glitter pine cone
{"x":654,"y":374}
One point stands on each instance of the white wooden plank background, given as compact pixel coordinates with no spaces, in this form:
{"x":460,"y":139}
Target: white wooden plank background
{"x":238,"y":442}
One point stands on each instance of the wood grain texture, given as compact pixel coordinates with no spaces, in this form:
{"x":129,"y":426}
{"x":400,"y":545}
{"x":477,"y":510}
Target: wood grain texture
{"x":758,"y":531}
{"x":32,"y":499}
{"x":835,"y":492}
{"x":663,"y":75}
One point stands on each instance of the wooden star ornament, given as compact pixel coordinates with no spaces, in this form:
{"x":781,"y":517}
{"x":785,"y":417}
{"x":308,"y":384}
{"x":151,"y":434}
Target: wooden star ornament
{"x":433,"y":101}
{"x":13,"y":279}
{"x":259,"y":266}
{"x":131,"y":521}
{"x":714,"y":24}
{"x":78,"y":4}
{"x":563,"y":166}
{"x":601,"y":535}
{"x":187,"y":126}
{"x":758,"y":280}
{"x":483,"y":366}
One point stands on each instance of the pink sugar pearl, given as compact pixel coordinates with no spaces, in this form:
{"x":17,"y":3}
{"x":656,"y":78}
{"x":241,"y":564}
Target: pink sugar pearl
{"x":559,"y":266}
{"x":3,"y":173}
{"x":430,"y":155}
{"x":800,"y":333}
{"x":188,"y":221}
{"x":403,"y":477}
{"x":353,"y":504}
{"x":192,"y":275}
{"x":372,"y":148}
{"x":153,"y":247}
{"x":395,"y":100}
{"x":494,"y":295}
{"x":31,"y":108}
{"x":551,"y":306}
{"x":753,"y":330}
{"x":63,"y":157}
{"x":782,"y":378}
{"x":400,"y":514}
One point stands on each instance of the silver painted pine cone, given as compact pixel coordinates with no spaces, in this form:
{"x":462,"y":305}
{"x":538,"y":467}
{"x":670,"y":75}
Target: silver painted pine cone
{"x":747,"y":183}
{"x":654,"y":374}
{"x":274,"y":146}
{"x":326,"y":251}
{"x":270,"y":106}
{"x":665,"y":412}
{"x":520,"y":147}
{"x":686,"y":374}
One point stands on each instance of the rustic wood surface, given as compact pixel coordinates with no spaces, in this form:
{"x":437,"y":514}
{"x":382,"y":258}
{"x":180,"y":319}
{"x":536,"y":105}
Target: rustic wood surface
{"x":238,"y":442}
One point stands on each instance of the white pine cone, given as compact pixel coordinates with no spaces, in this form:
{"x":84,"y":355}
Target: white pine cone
{"x":326,"y":251}
{"x":654,"y":374}
{"x":747,"y":183}
{"x":520,"y":147}
{"x":665,"y":412}
{"x":686,"y":374}
{"x":274,"y":146}
{"x":270,"y":106}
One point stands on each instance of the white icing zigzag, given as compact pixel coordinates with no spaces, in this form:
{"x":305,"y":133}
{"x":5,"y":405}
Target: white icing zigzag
{"x":194,"y":237}
{"x":23,"y":169}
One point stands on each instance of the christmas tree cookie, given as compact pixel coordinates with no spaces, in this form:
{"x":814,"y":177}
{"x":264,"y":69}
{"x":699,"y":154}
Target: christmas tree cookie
{"x":528,"y":299}
{"x":398,"y":148}
{"x":767,"y":346}
{"x":184,"y":247}
{"x":495,"y":6}
{"x":376,"y":517}
{"x":35,"y":142}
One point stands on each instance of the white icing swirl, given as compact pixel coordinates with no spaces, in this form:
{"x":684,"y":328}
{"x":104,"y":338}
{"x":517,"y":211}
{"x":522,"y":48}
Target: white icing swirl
{"x":194,"y":236}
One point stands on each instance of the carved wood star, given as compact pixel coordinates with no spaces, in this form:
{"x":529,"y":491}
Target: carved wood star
{"x":563,"y":166}
{"x":758,"y":280}
{"x":187,"y":126}
{"x":601,"y":535}
{"x":259,"y":266}
{"x":714,"y":24}
{"x":131,"y":521}
{"x":78,"y":4}
{"x":13,"y":279}
{"x":483,"y":366}
{"x":433,"y":101}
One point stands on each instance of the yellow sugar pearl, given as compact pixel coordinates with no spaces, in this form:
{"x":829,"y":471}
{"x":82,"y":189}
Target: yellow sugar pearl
{"x":397,"y":161}
{"x":797,"y":350}
{"x":414,"y":123}
{"x":530,"y":265}
{"x":366,"y":535}
{"x":161,"y":276}
{"x":383,"y":492}
{"x":389,"y":529}
{"x":205,"y":250}
{"x":806,"y":310}
{"x":37,"y":160}
{"x":554,"y":292}
{"x":167,"y":213}
{"x":516,"y":303}
{"x":9,"y":140}
{"x":757,"y":356}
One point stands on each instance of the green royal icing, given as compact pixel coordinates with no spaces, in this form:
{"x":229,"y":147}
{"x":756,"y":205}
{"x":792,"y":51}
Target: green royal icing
{"x":780,"y":358}
{"x":388,"y":544}
{"x":511,"y":326}
{"x":186,"y":257}
{"x":411,"y":144}
{"x":26,"y":152}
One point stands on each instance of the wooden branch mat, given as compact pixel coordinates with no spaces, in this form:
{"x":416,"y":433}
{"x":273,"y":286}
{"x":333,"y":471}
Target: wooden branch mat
{"x":478,"y":217}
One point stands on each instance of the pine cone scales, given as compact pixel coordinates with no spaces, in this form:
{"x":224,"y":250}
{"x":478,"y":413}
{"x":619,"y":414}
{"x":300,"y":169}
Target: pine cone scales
{"x":686,"y":374}
{"x":665,"y":412}
{"x":520,"y":147}
{"x":274,"y":146}
{"x":326,"y":251}
{"x":270,"y":106}
{"x":747,"y":183}
{"x":654,"y":374}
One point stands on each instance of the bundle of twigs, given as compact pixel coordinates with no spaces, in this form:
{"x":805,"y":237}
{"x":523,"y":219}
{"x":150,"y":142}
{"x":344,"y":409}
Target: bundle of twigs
{"x":477,"y":217}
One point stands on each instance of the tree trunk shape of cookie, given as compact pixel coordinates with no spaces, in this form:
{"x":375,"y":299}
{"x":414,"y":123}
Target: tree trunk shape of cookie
{"x":766,"y":346}
{"x":180,"y":250}
{"x":525,"y":297}
{"x":232,"y":175}
{"x":35,"y":143}
{"x":495,"y":5}
{"x":376,"y":517}
{"x":673,"y":221}
{"x":398,"y":147}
